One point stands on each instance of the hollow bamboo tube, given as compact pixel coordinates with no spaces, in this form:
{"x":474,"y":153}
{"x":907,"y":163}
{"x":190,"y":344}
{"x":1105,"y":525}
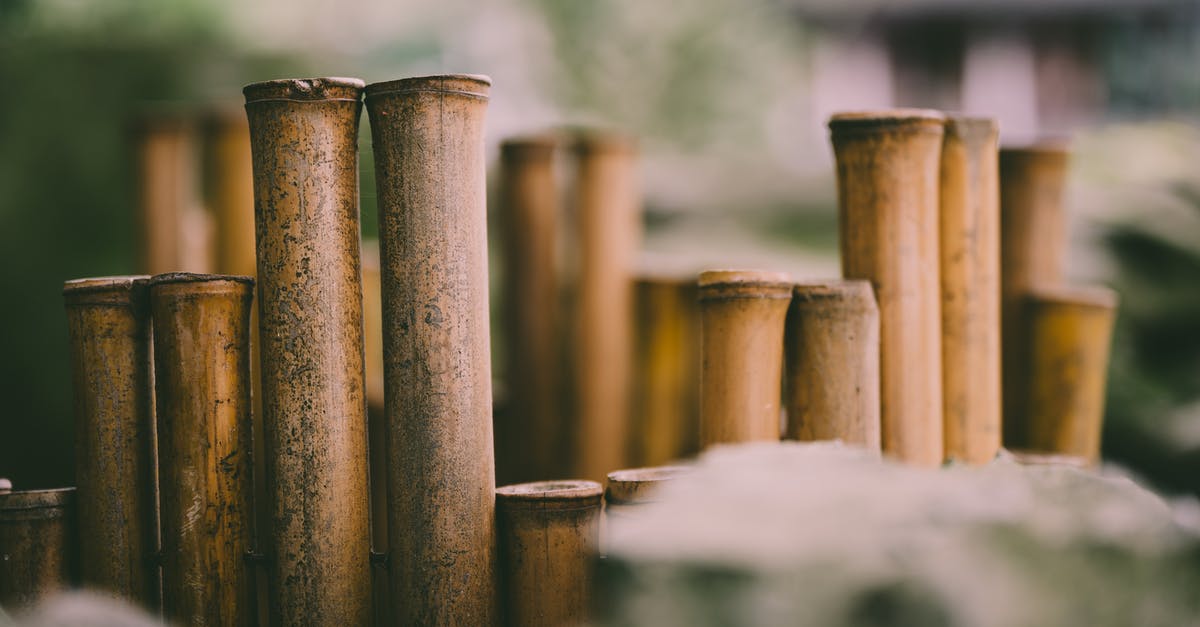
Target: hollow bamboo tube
{"x":304,"y":140}
{"x":742,"y":316}
{"x":202,"y":379}
{"x":110,"y":342}
{"x":1033,"y":243}
{"x":607,"y":234}
{"x":970,"y":276}
{"x":37,"y":544}
{"x":887,"y":167}
{"x":428,"y":136}
{"x":667,"y":368}
{"x":633,"y":487}
{"x":549,"y":532}
{"x":530,"y":442}
{"x":832,"y":348}
{"x":1070,"y":331}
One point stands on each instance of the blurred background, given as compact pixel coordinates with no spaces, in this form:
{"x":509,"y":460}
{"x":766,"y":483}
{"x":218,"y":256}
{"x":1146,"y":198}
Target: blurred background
{"x":728,"y":99}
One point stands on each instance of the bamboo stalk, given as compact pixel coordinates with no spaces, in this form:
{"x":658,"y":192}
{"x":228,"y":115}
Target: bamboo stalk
{"x":832,"y":347}
{"x":633,"y":487}
{"x":742,"y":316}
{"x":549,"y":535}
{"x":376,"y":426}
{"x":607,"y":208}
{"x":115,"y":456}
{"x":666,"y":412}
{"x":887,"y":165}
{"x":176,"y":233}
{"x":202,"y":375}
{"x":37,"y":542}
{"x":1033,"y":244}
{"x":1070,"y":331}
{"x":970,"y":276}
{"x":304,"y":141}
{"x":430,"y":175}
{"x":530,"y":442}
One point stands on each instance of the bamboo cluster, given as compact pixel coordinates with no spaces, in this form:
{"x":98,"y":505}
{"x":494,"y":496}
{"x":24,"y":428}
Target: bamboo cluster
{"x":325,"y":455}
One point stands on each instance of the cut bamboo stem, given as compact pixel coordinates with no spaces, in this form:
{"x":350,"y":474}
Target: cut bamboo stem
{"x":115,"y":458}
{"x":832,"y":347}
{"x":549,"y":535}
{"x":304,"y":140}
{"x":970,"y":276}
{"x":887,"y":166}
{"x":530,"y":443}
{"x":667,"y":367}
{"x":742,"y":315}
{"x":1033,"y":243}
{"x":1070,"y":332}
{"x":37,"y":542}
{"x":202,"y":379}
{"x":428,"y":136}
{"x":608,"y":231}
{"x":633,"y":487}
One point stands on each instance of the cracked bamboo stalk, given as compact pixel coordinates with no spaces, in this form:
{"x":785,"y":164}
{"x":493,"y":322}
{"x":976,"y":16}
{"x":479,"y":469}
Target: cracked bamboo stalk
{"x":428,"y":137}
{"x":202,"y":378}
{"x":832,"y":348}
{"x":742,"y":315}
{"x":38,"y":545}
{"x":1033,"y":243}
{"x":970,"y":278}
{"x":304,"y":141}
{"x":607,"y":234}
{"x":888,"y":166}
{"x":529,"y":445}
{"x":1070,"y":332}
{"x":549,"y":533}
{"x":667,"y":366}
{"x":115,"y":458}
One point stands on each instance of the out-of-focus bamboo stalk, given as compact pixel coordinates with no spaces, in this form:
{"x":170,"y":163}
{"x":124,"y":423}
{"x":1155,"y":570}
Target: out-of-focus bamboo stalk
{"x":742,"y":315}
{"x":304,"y":142}
{"x":970,"y":276}
{"x":115,"y":456}
{"x":1033,"y":244}
{"x":549,"y":534}
{"x":888,"y":169}
{"x":430,"y":173}
{"x":376,"y":425}
{"x":202,"y":375}
{"x":176,"y":232}
{"x":832,"y":348}
{"x":607,"y":209}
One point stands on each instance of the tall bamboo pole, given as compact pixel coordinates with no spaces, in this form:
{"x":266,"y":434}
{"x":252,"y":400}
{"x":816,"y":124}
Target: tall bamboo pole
{"x":304,"y":140}
{"x":37,"y":542}
{"x":549,"y":534}
{"x":887,"y":166}
{"x":1070,"y":331}
{"x":832,"y":348}
{"x":529,"y":445}
{"x":109,"y":323}
{"x":1033,"y":244}
{"x":607,"y":234}
{"x":970,"y":276}
{"x":428,"y":136}
{"x":666,"y":416}
{"x":742,"y":316}
{"x":202,"y":376}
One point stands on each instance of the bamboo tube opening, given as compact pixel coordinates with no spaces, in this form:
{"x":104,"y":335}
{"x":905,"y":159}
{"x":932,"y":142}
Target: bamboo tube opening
{"x":635,"y":486}
{"x":550,"y":494}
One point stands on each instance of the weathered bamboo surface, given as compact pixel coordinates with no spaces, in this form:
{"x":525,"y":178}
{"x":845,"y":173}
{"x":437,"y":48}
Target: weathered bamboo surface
{"x":832,"y":353}
{"x":970,"y":276}
{"x":428,"y":137}
{"x":115,"y":458}
{"x":37,"y":545}
{"x":742,"y":314}
{"x":202,"y":376}
{"x":888,"y":174}
{"x":549,"y":533}
{"x":304,"y":141}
